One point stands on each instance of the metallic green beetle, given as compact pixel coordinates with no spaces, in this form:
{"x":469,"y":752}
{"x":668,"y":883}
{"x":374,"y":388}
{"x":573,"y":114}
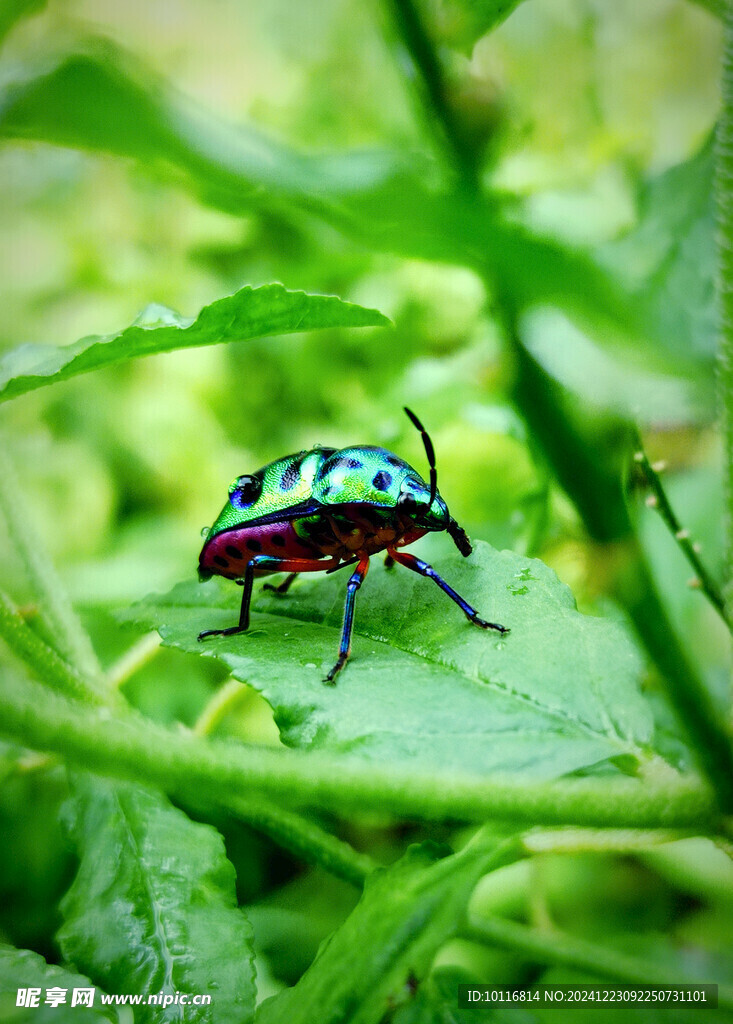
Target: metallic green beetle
{"x":321,"y":510}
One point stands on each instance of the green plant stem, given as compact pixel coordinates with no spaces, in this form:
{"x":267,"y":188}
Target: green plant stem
{"x":304,"y":839}
{"x":132,"y":660}
{"x":559,"y":948}
{"x":293,"y":832}
{"x":577,"y":447}
{"x":41,"y":659}
{"x":607,"y":840}
{"x":687,"y":692}
{"x":724,"y":198}
{"x":708,"y":586}
{"x":65,"y":629}
{"x":587,"y":453}
{"x":130,"y":747}
{"x":222,"y":702}
{"x":431,"y":84}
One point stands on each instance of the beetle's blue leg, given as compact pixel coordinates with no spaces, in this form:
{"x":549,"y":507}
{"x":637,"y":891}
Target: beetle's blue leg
{"x":417,"y":565}
{"x":294,"y":565}
{"x":357,"y":578}
{"x":284,"y":587}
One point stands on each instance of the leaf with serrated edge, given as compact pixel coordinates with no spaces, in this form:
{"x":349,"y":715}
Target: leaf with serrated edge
{"x":407,"y":911}
{"x":559,"y":693}
{"x":152,"y":908}
{"x":249,"y":313}
{"x":20,"y":968}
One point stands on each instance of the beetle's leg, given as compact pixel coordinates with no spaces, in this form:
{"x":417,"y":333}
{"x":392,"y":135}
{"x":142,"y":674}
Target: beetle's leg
{"x":284,"y":587}
{"x":244,"y":623}
{"x":294,"y":565}
{"x":343,"y":565}
{"x":388,"y":562}
{"x":417,"y":565}
{"x":357,"y":578}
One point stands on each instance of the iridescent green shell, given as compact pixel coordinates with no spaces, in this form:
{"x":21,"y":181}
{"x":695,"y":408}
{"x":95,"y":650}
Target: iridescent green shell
{"x":312,"y":481}
{"x":287,"y":485}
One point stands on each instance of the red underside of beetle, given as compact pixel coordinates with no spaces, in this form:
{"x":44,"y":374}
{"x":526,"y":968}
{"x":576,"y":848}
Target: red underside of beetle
{"x":228,"y":553}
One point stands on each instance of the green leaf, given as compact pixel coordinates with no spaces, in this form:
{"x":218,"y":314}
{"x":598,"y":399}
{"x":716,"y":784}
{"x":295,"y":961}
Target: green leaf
{"x":249,"y":313}
{"x":135,"y":114}
{"x":436,"y":1002}
{"x":152,"y":908}
{"x":374,"y":197}
{"x":559,"y":693}
{"x":405,"y":914}
{"x":19,"y":968}
{"x":463,"y":22}
{"x":668,"y":261}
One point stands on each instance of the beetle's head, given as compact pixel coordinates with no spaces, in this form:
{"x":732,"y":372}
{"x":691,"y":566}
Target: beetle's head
{"x":424,"y":505}
{"x":418,"y":504}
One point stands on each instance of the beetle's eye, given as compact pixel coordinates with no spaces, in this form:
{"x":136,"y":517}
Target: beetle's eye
{"x":406,"y":503}
{"x":246,"y":491}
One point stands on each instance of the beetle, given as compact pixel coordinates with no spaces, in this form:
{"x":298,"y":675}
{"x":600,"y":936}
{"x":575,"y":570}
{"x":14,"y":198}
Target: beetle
{"x":324,"y":509}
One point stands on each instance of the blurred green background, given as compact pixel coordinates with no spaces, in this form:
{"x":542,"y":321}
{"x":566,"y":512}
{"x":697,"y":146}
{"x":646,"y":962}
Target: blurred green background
{"x":587,"y":128}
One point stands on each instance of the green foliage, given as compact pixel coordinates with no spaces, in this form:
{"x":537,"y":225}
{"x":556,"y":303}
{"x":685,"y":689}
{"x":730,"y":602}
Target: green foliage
{"x":424,"y":686}
{"x":250,"y":313}
{"x":405,"y":914}
{"x":181,"y":929}
{"x":669,"y":258}
{"x":463,"y":22}
{"x":21,"y":968}
{"x":526,"y":190}
{"x":14,"y":11}
{"x":239,"y":169}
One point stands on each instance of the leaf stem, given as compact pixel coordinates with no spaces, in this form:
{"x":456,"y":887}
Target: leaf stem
{"x":587,"y":459}
{"x":607,"y":840}
{"x":130,"y":747}
{"x":133,"y":659}
{"x":430,"y":81}
{"x":560,"y":948}
{"x":41,"y":659}
{"x":662,"y":505}
{"x":304,"y":839}
{"x":724,"y":198}
{"x":66,"y":631}
{"x":222,"y":702}
{"x":291,"y":831}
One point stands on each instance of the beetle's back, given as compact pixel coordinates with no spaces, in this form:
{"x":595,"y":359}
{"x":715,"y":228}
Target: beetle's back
{"x":318,"y":503}
{"x":362,"y":474}
{"x":286,"y":484}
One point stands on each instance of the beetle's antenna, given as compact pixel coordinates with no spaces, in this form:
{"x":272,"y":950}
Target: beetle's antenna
{"x":429,"y":451}
{"x":460,"y":538}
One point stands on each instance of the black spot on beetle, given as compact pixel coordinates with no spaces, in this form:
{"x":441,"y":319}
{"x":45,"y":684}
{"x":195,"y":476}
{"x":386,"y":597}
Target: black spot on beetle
{"x":221,"y":561}
{"x":347,"y":462}
{"x":254,"y":545}
{"x":291,"y":475}
{"x":233,"y":552}
{"x":278,"y":540}
{"x":393,"y":460}
{"x":382,"y":480}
